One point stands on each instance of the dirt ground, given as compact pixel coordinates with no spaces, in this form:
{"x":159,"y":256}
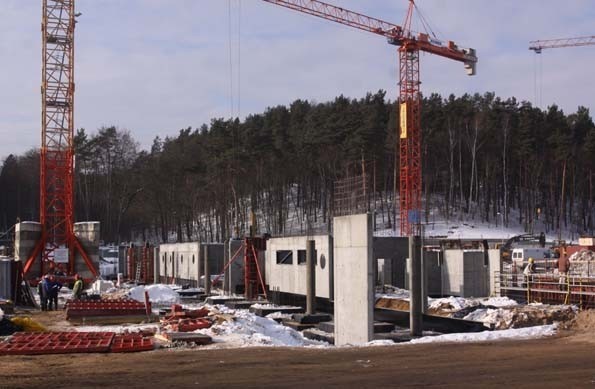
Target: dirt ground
{"x":567,"y":360}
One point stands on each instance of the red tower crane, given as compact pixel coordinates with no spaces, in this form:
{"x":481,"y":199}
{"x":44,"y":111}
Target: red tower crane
{"x":57,"y":128}
{"x":538,"y":46}
{"x":409,"y":94}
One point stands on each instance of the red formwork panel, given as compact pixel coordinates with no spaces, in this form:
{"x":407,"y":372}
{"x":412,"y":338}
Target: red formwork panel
{"x":22,"y":343}
{"x":122,"y":307}
{"x":123,"y":343}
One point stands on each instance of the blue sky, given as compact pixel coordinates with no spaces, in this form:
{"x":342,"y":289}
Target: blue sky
{"x":156,"y":66}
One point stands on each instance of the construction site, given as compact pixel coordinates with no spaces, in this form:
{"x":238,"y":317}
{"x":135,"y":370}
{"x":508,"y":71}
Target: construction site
{"x":340,"y":303}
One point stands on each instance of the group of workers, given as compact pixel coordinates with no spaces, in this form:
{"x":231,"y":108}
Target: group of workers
{"x":49,"y":287}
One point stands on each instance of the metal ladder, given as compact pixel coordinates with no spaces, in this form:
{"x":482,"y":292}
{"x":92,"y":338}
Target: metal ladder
{"x":139,"y":269}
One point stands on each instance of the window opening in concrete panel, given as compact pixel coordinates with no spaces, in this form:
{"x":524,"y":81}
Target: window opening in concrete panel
{"x":182,"y":259}
{"x":193,"y":259}
{"x":284,"y":257}
{"x":302,"y":257}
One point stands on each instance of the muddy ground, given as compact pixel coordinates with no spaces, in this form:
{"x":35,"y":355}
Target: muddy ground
{"x":567,"y":360}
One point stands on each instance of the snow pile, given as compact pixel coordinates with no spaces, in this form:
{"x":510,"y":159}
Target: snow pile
{"x":520,"y":333}
{"x":119,"y":329}
{"x":582,"y":255}
{"x":521,"y":316}
{"x":246,"y":329}
{"x":158,"y":293}
{"x":498,"y":318}
{"x":279,"y":315}
{"x":499,"y":302}
{"x":451,"y":303}
{"x":269,"y":306}
{"x":101,"y":286}
{"x":582,"y":263}
{"x":394,"y":293}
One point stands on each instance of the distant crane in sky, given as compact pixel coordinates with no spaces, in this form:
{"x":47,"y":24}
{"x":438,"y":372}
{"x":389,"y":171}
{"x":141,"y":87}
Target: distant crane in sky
{"x":538,"y":46}
{"x":410,"y":44}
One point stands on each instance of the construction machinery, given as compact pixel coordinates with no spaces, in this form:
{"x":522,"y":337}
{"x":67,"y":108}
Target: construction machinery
{"x":506,"y":249}
{"x":57,"y":149}
{"x":410,"y":45}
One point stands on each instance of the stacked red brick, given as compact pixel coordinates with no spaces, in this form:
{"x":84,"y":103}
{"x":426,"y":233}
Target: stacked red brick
{"x":182,"y":320}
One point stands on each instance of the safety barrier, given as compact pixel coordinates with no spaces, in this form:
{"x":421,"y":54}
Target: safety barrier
{"x":548,"y":288}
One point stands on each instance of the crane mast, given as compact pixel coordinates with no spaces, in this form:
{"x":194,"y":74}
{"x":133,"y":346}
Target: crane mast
{"x":57,"y":132}
{"x":410,"y":44}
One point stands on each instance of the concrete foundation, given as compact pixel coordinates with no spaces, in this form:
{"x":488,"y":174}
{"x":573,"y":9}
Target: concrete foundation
{"x":354,"y":279}
{"x":87,"y":234}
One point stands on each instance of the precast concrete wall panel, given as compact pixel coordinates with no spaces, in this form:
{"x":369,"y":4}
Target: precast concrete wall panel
{"x":291,"y":278}
{"x":354,"y":279}
{"x":433,"y":272}
{"x":452,"y":276}
{"x":184,"y":262}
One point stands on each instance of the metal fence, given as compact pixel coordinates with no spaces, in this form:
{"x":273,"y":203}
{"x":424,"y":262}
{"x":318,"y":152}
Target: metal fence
{"x":547,"y":288}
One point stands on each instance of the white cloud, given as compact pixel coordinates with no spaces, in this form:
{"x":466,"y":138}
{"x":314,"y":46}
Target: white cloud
{"x":155,"y":66}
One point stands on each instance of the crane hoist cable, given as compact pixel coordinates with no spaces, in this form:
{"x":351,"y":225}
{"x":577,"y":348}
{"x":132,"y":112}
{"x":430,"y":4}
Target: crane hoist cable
{"x":234,"y":33}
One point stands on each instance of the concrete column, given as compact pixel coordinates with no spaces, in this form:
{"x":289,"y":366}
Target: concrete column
{"x":226,"y":272}
{"x":424,"y":282}
{"x":87,"y":234}
{"x":26,"y":235}
{"x":207,"y":272}
{"x":353,"y":278}
{"x":415,"y":286}
{"x":311,"y":277}
{"x":331,"y":268}
{"x":156,"y":265}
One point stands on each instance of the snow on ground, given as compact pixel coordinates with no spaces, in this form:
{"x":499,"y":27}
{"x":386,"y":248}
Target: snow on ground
{"x":249,"y":330}
{"x":454,"y":303}
{"x":158,"y":293}
{"x":279,"y":315}
{"x":516,"y":333}
{"x":245,"y":329}
{"x":269,"y":306}
{"x":120,"y":328}
{"x":501,"y":317}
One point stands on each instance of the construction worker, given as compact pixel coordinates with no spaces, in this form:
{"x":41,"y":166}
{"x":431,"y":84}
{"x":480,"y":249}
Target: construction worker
{"x":53,"y":287}
{"x":77,"y":289}
{"x":529,"y":270}
{"x":43,"y":295}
